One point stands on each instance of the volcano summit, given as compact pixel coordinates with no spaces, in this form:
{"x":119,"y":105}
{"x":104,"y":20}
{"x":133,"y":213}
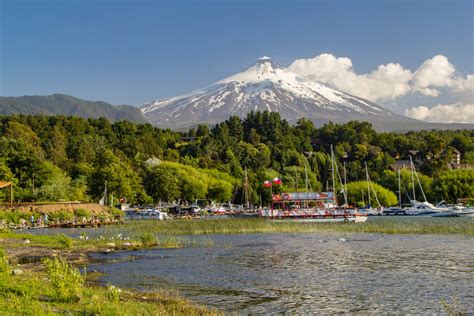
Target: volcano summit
{"x":265,"y":85}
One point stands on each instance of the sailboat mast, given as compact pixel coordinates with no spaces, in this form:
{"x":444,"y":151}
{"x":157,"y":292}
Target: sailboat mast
{"x":246,"y":188}
{"x":345,"y":181}
{"x":305,"y":177}
{"x":412,"y":167}
{"x":296,"y":179}
{"x":332,"y":171}
{"x":399,"y":190}
{"x":419,"y":183}
{"x":105,"y":194}
{"x":368,"y":182}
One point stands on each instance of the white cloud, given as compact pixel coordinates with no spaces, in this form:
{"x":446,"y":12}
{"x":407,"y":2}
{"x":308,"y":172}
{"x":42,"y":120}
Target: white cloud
{"x":465,"y":85}
{"x":387,"y":82}
{"x":434,"y":72}
{"x":443,"y":113}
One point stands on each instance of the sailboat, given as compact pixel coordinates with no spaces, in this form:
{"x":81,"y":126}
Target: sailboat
{"x":396,"y":210}
{"x":369,"y":210}
{"x":424,"y":208}
{"x":103,"y":200}
{"x":244,"y":209}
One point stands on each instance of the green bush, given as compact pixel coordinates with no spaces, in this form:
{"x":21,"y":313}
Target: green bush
{"x":148,"y":238}
{"x":116,"y":212}
{"x":66,"y":280}
{"x":80,"y":212}
{"x":12,"y":216}
{"x":62,"y":215}
{"x":64,"y":240}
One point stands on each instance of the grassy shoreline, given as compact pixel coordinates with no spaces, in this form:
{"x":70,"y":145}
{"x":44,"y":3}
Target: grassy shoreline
{"x":30,"y":289}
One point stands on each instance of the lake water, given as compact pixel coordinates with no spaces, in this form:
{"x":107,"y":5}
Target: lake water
{"x":306,"y":273}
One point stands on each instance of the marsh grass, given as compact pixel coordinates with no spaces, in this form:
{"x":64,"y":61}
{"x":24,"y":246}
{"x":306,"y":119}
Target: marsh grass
{"x":398,"y":225}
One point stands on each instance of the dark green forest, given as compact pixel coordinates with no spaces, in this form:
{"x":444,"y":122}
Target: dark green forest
{"x":62,"y":104}
{"x":54,"y":158}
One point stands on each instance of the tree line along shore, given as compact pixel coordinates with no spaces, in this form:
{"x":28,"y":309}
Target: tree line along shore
{"x":58,"y":158}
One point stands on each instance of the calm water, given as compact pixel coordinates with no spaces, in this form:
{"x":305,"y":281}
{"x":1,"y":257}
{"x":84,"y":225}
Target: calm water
{"x":307,"y":273}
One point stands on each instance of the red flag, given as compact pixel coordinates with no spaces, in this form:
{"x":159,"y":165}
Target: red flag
{"x":123,"y":200}
{"x":276,"y":181}
{"x":267,"y":184}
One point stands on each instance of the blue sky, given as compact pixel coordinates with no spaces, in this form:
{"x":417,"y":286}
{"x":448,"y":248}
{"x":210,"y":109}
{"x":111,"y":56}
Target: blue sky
{"x":130,"y":52}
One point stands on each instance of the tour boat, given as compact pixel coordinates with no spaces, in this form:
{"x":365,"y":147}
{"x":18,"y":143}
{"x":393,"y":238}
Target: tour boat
{"x":311,"y":206}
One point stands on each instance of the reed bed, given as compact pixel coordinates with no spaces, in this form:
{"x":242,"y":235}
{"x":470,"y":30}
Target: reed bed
{"x":398,"y":225}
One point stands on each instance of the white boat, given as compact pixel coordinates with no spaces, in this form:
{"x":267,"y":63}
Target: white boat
{"x":466,"y":211}
{"x":147,"y":214}
{"x":370,"y":211}
{"x":425,"y":208}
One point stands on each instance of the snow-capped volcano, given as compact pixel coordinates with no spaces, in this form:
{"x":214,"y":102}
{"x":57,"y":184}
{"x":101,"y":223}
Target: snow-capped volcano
{"x":264,"y":85}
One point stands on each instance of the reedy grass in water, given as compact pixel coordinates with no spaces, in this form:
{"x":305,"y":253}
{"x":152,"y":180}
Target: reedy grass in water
{"x":405,"y":225}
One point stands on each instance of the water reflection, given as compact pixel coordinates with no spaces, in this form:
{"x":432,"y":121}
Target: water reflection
{"x":307,"y":273}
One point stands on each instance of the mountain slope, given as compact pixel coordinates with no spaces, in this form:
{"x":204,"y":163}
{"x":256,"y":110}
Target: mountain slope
{"x":61,"y":104}
{"x":265,"y":85}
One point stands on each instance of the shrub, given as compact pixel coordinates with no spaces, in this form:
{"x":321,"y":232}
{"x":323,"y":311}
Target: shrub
{"x":116,"y":212}
{"x":80,"y":212}
{"x":148,"y":238}
{"x":61,"y":215}
{"x":64,"y":240}
{"x":66,"y":280}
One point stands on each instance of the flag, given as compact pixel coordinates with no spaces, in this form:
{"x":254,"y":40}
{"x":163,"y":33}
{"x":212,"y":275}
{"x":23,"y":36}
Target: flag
{"x":267,"y":184}
{"x":276,"y":181}
{"x":123,"y":200}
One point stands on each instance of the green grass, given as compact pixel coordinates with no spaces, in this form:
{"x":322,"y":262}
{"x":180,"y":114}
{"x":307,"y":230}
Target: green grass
{"x":34,"y":293}
{"x":250,"y":226}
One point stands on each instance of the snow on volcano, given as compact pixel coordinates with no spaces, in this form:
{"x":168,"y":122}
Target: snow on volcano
{"x":264,"y":85}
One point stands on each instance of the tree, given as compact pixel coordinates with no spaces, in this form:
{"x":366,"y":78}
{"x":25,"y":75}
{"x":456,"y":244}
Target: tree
{"x":453,"y":184}
{"x":162,"y":184}
{"x":355,"y":190}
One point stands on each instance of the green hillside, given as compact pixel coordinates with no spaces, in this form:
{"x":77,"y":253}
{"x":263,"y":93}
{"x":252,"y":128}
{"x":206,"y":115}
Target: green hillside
{"x":61,"y":104}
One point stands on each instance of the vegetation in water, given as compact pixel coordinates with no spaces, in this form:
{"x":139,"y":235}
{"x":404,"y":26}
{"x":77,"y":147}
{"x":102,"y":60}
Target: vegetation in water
{"x":69,"y":158}
{"x":250,"y":226}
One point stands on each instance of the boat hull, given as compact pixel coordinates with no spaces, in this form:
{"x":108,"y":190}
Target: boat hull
{"x":322,"y":218}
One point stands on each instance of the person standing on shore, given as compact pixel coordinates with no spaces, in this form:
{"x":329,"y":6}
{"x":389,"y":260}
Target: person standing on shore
{"x":32,"y":220}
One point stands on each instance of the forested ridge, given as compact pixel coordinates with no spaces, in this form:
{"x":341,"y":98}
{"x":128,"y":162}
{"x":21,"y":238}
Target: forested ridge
{"x":70,"y":158}
{"x":62,"y":104}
